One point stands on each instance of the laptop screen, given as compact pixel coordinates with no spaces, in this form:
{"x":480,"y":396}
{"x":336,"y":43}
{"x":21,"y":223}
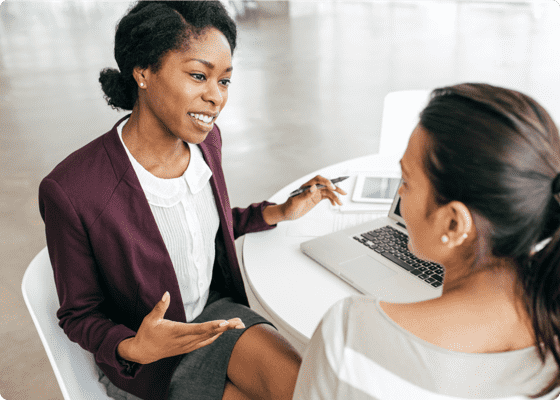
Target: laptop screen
{"x":398,"y":208}
{"x":395,"y":211}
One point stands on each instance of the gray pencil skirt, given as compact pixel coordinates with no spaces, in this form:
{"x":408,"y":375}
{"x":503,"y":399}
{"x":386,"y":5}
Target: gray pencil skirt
{"x":202,"y":374}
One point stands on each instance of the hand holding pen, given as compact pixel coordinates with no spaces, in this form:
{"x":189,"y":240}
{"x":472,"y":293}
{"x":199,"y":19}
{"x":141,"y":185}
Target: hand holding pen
{"x":319,"y":186}
{"x":302,"y":200}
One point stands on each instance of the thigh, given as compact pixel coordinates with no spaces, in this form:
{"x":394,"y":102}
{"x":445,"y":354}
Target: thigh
{"x":202,"y":374}
{"x":231,"y":392}
{"x":263,"y":364}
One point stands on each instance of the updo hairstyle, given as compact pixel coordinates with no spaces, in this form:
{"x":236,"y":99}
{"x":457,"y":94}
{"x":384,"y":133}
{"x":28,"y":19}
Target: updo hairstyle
{"x":151,"y":29}
{"x":498,"y":152}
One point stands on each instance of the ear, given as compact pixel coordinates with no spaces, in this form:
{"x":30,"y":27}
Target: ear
{"x":141,"y":76}
{"x":459,"y":223}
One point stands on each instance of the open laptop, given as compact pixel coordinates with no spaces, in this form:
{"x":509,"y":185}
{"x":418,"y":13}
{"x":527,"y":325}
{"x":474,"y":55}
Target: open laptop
{"x":374,"y":259}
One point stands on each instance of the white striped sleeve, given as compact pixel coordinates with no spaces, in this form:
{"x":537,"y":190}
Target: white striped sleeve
{"x":323,"y":361}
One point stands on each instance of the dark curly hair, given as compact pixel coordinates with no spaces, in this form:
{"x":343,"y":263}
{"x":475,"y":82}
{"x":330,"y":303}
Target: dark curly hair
{"x":151,"y":29}
{"x":498,"y":151}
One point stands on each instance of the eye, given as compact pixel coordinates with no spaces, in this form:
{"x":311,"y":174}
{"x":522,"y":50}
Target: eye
{"x":198,"y":77}
{"x":226,"y":82}
{"x":404,"y":185}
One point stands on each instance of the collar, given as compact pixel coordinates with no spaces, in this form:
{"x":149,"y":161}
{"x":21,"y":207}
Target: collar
{"x":168,"y":192}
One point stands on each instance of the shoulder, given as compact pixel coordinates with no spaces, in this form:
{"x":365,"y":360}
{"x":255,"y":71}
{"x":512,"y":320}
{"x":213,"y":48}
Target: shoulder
{"x":442,"y":321}
{"x":361,"y":350}
{"x":100,"y":153}
{"x":463,"y":324}
{"x":88,"y":174}
{"x":75,"y":166}
{"x":346,"y":321}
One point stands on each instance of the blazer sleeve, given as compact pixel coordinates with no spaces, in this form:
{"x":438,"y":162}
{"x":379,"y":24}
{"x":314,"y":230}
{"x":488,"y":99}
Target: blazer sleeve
{"x":77,"y":281}
{"x":250,"y":219}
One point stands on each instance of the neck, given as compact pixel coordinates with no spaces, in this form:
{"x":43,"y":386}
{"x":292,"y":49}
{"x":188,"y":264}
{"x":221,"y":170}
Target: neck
{"x":488,"y":282}
{"x":150,"y":142}
{"x":466,"y":271}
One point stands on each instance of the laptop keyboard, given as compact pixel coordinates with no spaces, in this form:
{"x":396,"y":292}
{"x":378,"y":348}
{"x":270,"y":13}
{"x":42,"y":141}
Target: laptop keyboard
{"x":393,"y":245}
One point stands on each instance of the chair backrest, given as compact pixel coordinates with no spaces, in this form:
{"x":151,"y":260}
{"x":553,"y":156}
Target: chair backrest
{"x":73,"y":366}
{"x":401,"y":111}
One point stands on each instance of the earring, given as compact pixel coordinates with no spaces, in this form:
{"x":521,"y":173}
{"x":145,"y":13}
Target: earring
{"x":142,"y":84}
{"x":445,"y":239}
{"x":465,"y":236}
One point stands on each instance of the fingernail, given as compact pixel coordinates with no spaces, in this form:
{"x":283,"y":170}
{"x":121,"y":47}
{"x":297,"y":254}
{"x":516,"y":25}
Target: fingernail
{"x":242,"y":326}
{"x":165,"y":297}
{"x":224,"y":323}
{"x":313,"y":189}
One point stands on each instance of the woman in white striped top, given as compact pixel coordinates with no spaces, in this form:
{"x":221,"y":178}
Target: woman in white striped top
{"x":480,"y":196}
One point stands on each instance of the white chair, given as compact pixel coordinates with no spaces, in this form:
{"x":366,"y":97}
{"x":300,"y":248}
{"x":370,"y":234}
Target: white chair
{"x":73,"y":366}
{"x":401,"y":111}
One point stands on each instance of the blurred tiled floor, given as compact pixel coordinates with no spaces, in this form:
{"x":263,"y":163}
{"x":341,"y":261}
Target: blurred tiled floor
{"x":307,"y":92}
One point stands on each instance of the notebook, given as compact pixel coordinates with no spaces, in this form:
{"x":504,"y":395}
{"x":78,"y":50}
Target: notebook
{"x":373,"y":258}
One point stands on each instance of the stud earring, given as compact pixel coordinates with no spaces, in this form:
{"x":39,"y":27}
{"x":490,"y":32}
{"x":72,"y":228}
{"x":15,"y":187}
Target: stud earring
{"x":465,"y":236}
{"x":444,"y":239}
{"x":142,"y":84}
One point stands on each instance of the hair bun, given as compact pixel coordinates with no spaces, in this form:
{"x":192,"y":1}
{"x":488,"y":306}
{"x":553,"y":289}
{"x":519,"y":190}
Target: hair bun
{"x":116,"y":89}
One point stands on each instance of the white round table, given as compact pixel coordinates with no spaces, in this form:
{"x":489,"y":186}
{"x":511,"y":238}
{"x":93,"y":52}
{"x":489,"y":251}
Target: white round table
{"x":285,"y":285}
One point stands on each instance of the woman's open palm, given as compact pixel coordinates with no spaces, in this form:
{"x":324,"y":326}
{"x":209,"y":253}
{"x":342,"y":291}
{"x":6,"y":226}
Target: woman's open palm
{"x":159,"y":338}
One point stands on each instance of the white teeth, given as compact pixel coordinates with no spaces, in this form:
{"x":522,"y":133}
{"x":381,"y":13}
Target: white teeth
{"x":204,"y":118}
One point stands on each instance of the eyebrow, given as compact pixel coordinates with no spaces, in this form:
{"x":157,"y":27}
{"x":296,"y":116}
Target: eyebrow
{"x":207,"y":63}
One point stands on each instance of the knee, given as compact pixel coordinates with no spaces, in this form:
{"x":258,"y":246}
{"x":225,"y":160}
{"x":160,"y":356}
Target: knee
{"x":282,"y":368}
{"x":284,"y":382}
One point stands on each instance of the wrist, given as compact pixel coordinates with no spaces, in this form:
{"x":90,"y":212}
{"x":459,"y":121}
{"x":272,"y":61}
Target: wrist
{"x":126,"y":350}
{"x":274,"y":214}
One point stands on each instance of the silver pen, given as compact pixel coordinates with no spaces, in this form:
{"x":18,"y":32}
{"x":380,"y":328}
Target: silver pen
{"x":304,"y":188}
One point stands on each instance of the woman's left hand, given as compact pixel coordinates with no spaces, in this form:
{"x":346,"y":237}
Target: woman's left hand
{"x":297,"y":206}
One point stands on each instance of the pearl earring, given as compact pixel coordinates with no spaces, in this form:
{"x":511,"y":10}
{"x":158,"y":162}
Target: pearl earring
{"x":142,"y":84}
{"x":444,"y":239}
{"x":465,"y":236}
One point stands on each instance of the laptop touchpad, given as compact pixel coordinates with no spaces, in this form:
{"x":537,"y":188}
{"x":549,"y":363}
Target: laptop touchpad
{"x":366,"y":267}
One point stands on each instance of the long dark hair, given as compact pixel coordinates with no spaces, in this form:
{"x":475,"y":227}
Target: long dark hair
{"x":151,"y":29}
{"x":498,"y":151}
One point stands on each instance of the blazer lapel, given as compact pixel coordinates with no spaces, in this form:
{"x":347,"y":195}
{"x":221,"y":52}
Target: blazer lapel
{"x":218,"y":185}
{"x":225,"y":251}
{"x":142,"y":216}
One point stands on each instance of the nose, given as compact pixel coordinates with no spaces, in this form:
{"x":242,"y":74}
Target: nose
{"x":213,"y":93}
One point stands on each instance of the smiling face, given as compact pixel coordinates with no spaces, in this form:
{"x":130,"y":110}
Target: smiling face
{"x":186,"y":94}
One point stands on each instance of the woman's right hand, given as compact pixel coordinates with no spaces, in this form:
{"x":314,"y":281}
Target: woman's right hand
{"x":159,"y":338}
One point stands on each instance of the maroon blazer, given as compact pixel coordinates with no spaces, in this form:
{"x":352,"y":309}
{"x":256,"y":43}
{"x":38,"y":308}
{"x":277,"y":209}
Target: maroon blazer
{"x":110,"y":263}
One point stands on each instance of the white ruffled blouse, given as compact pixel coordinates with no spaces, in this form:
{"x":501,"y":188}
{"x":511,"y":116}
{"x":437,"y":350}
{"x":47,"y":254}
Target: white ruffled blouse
{"x":187,"y":217}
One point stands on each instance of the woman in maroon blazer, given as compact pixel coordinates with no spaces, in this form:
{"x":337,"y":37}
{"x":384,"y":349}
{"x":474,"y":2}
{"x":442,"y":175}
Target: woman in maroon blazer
{"x":118,"y":288}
